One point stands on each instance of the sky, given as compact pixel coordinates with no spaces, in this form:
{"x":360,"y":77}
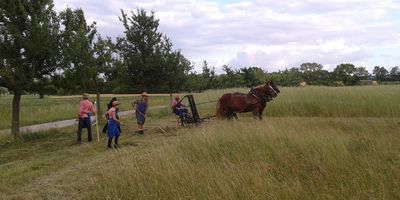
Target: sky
{"x":270,"y":34}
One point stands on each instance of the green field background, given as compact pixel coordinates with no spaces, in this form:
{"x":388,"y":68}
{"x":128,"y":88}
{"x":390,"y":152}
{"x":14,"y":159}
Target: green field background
{"x":315,"y":143}
{"x":367,"y":101}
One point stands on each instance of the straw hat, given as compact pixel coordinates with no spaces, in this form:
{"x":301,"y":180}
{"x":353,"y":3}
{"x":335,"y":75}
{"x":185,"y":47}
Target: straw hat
{"x":115,"y":103}
{"x":85,"y":96}
{"x":145,"y":94}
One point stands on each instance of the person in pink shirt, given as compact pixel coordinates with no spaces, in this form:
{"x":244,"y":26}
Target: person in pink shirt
{"x":113,"y":128}
{"x":85,"y":109}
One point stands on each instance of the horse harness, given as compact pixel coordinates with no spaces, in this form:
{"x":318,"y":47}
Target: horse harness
{"x":260,"y":97}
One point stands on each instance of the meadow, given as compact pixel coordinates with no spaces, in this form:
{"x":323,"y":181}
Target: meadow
{"x":374,"y":101}
{"x":314,"y":143}
{"x":55,"y":108}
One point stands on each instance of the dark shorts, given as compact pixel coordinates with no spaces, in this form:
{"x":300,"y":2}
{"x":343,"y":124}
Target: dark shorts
{"x":85,"y":122}
{"x":140,"y":119}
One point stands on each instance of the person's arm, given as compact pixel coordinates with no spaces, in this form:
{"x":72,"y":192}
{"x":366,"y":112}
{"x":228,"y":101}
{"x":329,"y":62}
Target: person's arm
{"x":114,"y":116}
{"x":107,"y":114}
{"x":145,"y":109}
{"x":174,"y":104}
{"x":134,"y":104}
{"x":80,"y":110}
{"x":92,"y":108}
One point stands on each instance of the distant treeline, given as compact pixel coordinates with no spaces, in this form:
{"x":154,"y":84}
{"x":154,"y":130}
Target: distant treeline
{"x":307,"y":73}
{"x":44,"y":52}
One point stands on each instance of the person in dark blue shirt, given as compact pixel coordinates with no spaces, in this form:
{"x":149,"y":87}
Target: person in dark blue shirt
{"x":178,"y":108}
{"x":141,"y":110}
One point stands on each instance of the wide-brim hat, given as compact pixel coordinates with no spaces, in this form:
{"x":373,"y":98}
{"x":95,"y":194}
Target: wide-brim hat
{"x":144,"y":94}
{"x":85,"y":96}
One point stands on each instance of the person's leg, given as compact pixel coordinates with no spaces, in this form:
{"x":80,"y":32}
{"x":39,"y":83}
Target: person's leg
{"x":89,"y":129}
{"x":116,"y":141}
{"x":140,"y":128}
{"x":109,"y":142}
{"x":79,"y":134}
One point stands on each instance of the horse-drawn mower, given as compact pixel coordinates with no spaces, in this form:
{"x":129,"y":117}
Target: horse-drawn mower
{"x":191,"y":117}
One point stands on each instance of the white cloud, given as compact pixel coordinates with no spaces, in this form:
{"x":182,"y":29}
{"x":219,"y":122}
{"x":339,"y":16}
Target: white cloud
{"x":267,"y":33}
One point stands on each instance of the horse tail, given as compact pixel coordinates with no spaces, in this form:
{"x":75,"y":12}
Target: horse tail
{"x":218,"y":112}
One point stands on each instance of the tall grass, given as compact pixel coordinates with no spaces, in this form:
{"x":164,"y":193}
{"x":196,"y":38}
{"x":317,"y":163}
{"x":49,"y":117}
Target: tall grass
{"x":316,"y":143}
{"x":367,"y":101}
{"x":286,"y":158}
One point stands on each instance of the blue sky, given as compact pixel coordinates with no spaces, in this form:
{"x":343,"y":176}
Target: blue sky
{"x":270,"y":34}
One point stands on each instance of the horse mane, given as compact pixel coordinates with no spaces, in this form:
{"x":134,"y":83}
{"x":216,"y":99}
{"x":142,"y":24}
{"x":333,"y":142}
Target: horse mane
{"x":259,"y":86}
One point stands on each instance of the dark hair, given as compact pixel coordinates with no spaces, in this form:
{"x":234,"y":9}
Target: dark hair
{"x":114,"y":99}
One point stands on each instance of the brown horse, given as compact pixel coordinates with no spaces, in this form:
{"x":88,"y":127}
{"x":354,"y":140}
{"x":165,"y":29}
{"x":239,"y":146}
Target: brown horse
{"x":255,"y":101}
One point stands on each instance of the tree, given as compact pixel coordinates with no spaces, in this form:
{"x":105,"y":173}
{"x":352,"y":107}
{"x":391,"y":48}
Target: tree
{"x":345,"y":73}
{"x":208,"y":76}
{"x":361,"y":73}
{"x":231,"y":78}
{"x":87,"y":57}
{"x":395,"y":74}
{"x":380,"y":73}
{"x":99,"y":70}
{"x":288,"y":77}
{"x":252,"y":76}
{"x":140,"y":49}
{"x":77,"y":46}
{"x":29,"y":46}
{"x":177,"y":70}
{"x":311,"y":72}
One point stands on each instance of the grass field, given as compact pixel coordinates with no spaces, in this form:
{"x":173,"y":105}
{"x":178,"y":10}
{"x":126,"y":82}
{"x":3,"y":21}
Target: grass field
{"x":35,"y":110}
{"x":315,"y":143}
{"x":375,"y":101}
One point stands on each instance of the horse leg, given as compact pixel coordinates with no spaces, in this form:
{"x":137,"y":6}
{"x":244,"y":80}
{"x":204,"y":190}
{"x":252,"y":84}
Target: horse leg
{"x":255,"y":114}
{"x":235,"y":115}
{"x":260,"y":114}
{"x":229,"y":116}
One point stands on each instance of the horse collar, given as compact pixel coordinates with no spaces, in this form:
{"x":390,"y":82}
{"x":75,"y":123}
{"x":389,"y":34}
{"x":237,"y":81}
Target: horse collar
{"x":256,"y":95}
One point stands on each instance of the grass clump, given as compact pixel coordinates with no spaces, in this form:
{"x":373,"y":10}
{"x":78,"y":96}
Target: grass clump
{"x":255,"y":160}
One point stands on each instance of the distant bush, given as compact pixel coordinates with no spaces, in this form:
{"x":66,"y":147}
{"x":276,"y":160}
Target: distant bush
{"x":390,"y":83}
{"x":3,"y":91}
{"x":365,"y":82}
{"x":338,"y":84}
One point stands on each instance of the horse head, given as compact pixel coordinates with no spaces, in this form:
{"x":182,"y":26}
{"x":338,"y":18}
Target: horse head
{"x":269,"y":90}
{"x":273,"y":85}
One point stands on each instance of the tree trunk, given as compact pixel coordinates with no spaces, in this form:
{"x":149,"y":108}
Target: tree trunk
{"x":98,"y":104}
{"x":41,"y":96}
{"x":15,"y":114}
